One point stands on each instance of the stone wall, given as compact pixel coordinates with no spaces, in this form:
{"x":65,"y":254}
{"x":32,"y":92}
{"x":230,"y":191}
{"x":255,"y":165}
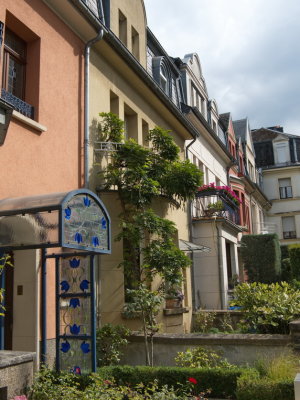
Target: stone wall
{"x":237,"y":348}
{"x":16,"y":373}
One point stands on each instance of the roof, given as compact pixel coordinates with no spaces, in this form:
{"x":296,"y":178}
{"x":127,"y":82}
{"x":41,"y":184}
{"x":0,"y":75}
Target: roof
{"x":269,"y":134}
{"x":240,"y":128}
{"x":224,"y":119}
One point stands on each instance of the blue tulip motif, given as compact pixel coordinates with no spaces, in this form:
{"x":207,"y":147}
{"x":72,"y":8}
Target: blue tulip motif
{"x":65,"y":346}
{"x":75,"y":329}
{"x":68,"y":213}
{"x":74,"y":302}
{"x":95,"y":241}
{"x":87,"y":201}
{"x":103,"y":223}
{"x":85,"y":347}
{"x":78,"y":237}
{"x":84,"y":285}
{"x":76,"y":370}
{"x":74,"y":263}
{"x":64,"y":286}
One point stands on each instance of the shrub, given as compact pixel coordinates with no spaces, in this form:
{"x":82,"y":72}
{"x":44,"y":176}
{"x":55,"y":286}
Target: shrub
{"x":261,"y":257}
{"x":286,"y":270}
{"x":284,"y":251}
{"x":264,"y":389}
{"x":204,"y":321}
{"x":223,"y":382}
{"x":279,"y":368}
{"x":110,"y":340}
{"x":294,"y":252}
{"x":267,"y":308}
{"x":200,"y":357}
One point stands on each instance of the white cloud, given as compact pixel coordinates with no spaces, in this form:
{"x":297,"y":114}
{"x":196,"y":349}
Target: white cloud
{"x":248,"y":49}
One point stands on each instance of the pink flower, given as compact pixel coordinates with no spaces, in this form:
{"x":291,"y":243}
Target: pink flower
{"x":193,"y":380}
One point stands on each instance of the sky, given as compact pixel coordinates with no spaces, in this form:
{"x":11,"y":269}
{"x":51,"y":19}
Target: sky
{"x":249,"y":52}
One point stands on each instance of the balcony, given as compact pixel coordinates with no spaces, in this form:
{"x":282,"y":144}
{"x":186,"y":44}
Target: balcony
{"x":18,"y":104}
{"x":215,"y":204}
{"x":289,"y":235}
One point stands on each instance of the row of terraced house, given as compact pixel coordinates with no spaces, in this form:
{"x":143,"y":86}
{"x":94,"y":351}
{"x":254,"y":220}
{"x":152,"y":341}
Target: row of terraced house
{"x":63,"y":62}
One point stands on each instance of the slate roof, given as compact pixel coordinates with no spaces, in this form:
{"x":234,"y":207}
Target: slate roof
{"x":225,"y":118}
{"x":240,"y":128}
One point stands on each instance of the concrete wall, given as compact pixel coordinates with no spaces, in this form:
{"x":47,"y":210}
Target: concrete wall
{"x":237,"y":349}
{"x":16,"y":373}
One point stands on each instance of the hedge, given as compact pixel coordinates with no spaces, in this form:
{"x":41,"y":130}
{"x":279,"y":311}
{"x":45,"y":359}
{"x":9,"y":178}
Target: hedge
{"x":223,"y":382}
{"x":262,"y":257}
{"x":264,"y":389}
{"x":294,"y":252}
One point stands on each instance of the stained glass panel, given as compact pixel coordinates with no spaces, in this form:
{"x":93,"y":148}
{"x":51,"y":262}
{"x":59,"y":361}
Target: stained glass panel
{"x":85,"y":224}
{"x":75,"y":315}
{"x":75,"y":355}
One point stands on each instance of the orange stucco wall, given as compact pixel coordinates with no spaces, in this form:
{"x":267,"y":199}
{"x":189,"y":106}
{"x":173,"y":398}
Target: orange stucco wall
{"x":32,"y":162}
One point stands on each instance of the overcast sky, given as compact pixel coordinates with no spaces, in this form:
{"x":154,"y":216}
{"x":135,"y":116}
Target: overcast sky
{"x":249,"y":52}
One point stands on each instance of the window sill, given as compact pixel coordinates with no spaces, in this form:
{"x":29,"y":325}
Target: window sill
{"x":28,"y":121}
{"x":175,"y":311}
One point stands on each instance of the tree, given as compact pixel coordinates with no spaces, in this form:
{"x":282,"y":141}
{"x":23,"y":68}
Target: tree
{"x":141,"y":175}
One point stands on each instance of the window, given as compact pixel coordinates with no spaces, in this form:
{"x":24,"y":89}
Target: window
{"x":145,"y":129}
{"x":114,"y":103}
{"x":197,"y":100}
{"x":214,"y":126}
{"x":122,"y":28}
{"x":163,"y":81}
{"x":135,"y":43}
{"x":289,"y":228}
{"x":14,"y":65}
{"x":174,"y":92}
{"x":285,"y":188}
{"x":130,"y":123}
{"x":21,"y":67}
{"x":150,"y":55}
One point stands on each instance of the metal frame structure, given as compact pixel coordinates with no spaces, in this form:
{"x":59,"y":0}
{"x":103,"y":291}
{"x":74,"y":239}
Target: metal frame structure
{"x":78,"y":250}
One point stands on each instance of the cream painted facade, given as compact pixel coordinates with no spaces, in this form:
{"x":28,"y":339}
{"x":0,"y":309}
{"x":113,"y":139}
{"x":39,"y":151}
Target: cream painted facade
{"x":282,"y":208}
{"x":278,"y":157}
{"x":211,"y":270}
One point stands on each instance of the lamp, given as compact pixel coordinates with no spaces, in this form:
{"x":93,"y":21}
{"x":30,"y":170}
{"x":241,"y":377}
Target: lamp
{"x":5,"y":117}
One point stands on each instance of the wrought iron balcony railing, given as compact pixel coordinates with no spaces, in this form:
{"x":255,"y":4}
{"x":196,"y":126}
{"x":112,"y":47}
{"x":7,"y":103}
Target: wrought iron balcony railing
{"x":18,"y":104}
{"x":215,"y":204}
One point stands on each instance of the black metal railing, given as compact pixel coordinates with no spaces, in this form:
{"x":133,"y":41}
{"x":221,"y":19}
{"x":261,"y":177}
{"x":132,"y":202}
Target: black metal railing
{"x":18,"y":104}
{"x":286,"y":192}
{"x":289,"y":235}
{"x":215,"y":205}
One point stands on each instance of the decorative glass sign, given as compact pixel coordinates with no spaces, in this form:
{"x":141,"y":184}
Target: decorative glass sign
{"x":76,"y":220}
{"x":85,"y":224}
{"x":75,"y":314}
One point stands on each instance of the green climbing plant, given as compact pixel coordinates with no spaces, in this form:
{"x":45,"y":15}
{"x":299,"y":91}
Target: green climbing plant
{"x":142,"y":175}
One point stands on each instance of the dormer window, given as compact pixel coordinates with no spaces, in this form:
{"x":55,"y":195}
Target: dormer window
{"x":163,"y":78}
{"x":161,"y":73}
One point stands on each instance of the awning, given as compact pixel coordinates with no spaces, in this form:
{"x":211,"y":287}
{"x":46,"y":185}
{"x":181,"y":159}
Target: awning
{"x":189,"y":246}
{"x":76,"y":219}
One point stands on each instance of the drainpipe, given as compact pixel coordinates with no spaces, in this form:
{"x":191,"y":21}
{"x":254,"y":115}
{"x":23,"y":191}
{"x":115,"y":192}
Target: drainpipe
{"x":190,"y":222}
{"x":87,"y":51}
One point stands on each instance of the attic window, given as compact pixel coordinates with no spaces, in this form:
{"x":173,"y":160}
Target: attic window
{"x":163,"y":78}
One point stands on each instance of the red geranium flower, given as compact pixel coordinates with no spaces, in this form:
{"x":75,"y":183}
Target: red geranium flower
{"x":193,"y":380}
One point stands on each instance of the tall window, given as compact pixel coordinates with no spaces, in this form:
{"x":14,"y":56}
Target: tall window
{"x":122,"y":28}
{"x":285,"y":188}
{"x":14,"y":64}
{"x":288,"y":227}
{"x":163,"y":78}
